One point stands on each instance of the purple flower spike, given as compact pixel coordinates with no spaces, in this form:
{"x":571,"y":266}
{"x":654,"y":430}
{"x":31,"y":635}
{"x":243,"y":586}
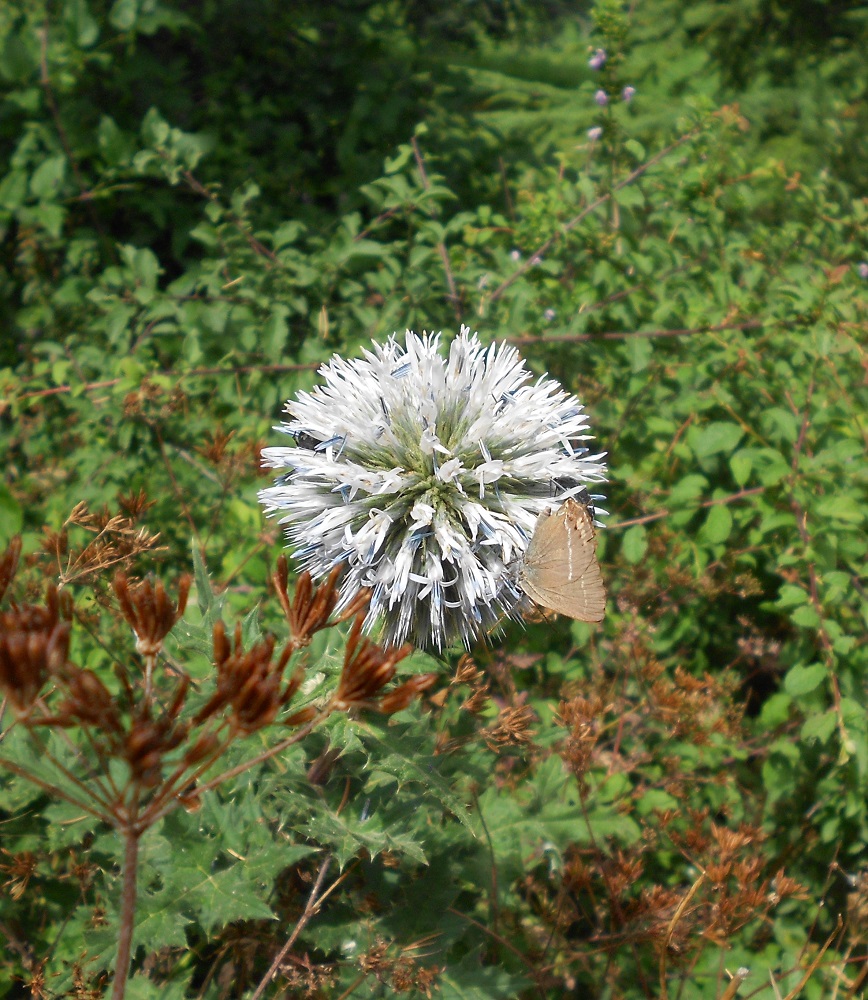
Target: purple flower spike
{"x":602,"y":98}
{"x":598,"y":59}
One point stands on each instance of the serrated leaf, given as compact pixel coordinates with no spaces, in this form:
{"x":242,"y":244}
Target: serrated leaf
{"x":404,"y":760}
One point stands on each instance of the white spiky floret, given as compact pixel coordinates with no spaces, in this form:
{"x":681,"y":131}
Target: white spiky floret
{"x":425,"y":478}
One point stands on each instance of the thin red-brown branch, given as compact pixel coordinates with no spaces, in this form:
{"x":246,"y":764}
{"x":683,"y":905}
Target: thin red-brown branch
{"x":128,"y":913}
{"x":309,"y":910}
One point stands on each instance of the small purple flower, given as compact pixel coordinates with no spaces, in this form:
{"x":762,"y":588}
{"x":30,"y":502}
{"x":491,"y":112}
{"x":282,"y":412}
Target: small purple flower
{"x":595,"y":133}
{"x":862,"y":270}
{"x":601,"y":97}
{"x":535,"y":261}
{"x":549,"y":315}
{"x":627,"y":94}
{"x":598,"y":59}
{"x":515,"y":255}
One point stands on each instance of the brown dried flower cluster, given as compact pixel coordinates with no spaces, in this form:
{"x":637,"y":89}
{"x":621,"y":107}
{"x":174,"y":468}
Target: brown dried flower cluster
{"x":368,"y":669}
{"x":149,"y":611}
{"x":583,"y":717}
{"x":34,"y":643}
{"x":310,"y":610}
{"x":512,"y":728}
{"x":249,"y":682}
{"x":116,"y":540}
{"x":9,"y":564}
{"x":402,"y":974}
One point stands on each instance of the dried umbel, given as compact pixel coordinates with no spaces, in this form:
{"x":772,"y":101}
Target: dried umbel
{"x":9,"y":563}
{"x":310,"y":610}
{"x":149,"y":611}
{"x":34,"y":643}
{"x":250,"y":682}
{"x":147,"y":743}
{"x":89,"y":702}
{"x":368,"y":668}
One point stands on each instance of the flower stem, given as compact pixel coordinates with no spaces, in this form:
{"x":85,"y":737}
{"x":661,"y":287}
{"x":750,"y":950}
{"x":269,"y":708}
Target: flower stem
{"x":128,"y":913}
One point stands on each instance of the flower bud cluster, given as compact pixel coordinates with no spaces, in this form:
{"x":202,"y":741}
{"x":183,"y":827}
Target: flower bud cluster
{"x":602,"y":95}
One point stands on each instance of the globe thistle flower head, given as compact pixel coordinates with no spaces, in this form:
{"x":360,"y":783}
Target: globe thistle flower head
{"x":423,"y":477}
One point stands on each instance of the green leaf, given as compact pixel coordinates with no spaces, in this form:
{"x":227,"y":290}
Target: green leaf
{"x":634,"y":543}
{"x":840,"y":508}
{"x":791,"y":596}
{"x":123,"y":14}
{"x":718,"y":525}
{"x":688,"y":488}
{"x":805,"y":617}
{"x":473,"y":979}
{"x":717,"y":437}
{"x":81,"y":22}
{"x":48,"y":177}
{"x":11,"y":516}
{"x":741,"y":466}
{"x":803,"y":680}
{"x":819,"y":727}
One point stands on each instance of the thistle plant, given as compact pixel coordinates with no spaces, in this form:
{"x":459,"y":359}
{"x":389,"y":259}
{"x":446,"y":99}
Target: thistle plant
{"x":129,"y":757}
{"x":421,"y":477}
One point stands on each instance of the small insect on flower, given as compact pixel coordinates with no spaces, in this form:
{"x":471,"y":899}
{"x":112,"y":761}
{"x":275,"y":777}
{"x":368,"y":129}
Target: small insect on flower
{"x":560,"y":569}
{"x":428,"y":481}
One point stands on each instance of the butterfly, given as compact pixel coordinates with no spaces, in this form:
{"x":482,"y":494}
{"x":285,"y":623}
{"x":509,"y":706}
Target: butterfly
{"x":560,"y":569}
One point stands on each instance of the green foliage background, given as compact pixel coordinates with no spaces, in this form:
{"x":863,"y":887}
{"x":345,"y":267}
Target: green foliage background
{"x":199,"y":203}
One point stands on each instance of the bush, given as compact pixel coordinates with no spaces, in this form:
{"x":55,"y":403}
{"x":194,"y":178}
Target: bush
{"x":193,"y":218}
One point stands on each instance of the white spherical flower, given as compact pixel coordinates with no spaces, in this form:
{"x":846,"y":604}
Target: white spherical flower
{"x":424,"y":477}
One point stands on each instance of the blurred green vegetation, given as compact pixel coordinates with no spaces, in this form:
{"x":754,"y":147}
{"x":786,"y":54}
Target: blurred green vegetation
{"x":199,"y":203}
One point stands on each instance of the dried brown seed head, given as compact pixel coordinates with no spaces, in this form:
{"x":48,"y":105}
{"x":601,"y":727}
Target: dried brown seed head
{"x":310,"y":609}
{"x":89,"y":702}
{"x":367,"y":669}
{"x":148,"y":610}
{"x":249,"y":682}
{"x":401,"y":696}
{"x":34,"y":643}
{"x":9,"y":564}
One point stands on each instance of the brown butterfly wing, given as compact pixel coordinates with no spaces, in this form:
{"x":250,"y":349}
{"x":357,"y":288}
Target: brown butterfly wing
{"x":560,"y":570}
